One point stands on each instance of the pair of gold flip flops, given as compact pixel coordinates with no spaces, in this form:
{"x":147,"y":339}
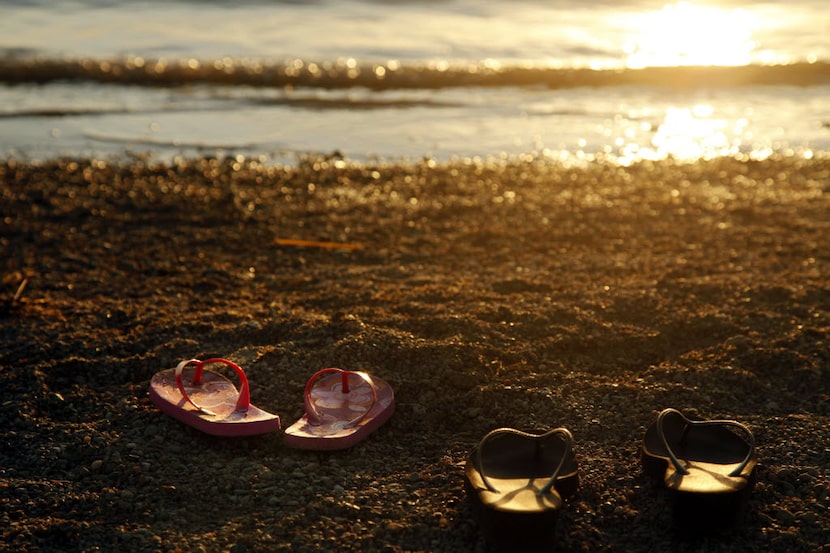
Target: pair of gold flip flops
{"x":518,"y":482}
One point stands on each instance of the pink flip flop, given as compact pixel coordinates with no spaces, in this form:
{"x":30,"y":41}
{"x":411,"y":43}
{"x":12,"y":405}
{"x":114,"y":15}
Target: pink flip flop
{"x":341,"y":409}
{"x":208,"y":401}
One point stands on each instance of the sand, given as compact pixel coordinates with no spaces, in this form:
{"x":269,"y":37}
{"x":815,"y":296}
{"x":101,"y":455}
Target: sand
{"x":516,"y":293}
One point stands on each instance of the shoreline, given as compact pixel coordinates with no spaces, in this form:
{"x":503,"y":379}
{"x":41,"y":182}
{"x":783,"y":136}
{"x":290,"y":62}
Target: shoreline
{"x":488,"y":294}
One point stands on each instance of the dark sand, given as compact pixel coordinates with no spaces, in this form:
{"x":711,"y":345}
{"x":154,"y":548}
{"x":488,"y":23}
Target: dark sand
{"x":518,"y":294}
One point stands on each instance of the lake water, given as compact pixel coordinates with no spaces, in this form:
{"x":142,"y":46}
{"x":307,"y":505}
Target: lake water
{"x":391,"y":79}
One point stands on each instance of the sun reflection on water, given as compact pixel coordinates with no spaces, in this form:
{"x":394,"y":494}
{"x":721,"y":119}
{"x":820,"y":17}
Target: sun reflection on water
{"x":693,"y":133}
{"x":687,"y":133}
{"x":684,"y":33}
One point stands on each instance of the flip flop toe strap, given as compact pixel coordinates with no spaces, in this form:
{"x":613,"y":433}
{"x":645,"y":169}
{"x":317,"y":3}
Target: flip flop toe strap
{"x":563,"y":433}
{"x":750,"y":439}
{"x":242,"y":402}
{"x":313,"y":414}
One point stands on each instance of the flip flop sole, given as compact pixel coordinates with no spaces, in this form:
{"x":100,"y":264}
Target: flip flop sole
{"x":216,"y":394}
{"x":696,"y":513}
{"x":515,"y":531}
{"x":566,"y":485}
{"x":527,"y":480}
{"x":338,"y":434}
{"x":700,"y":512}
{"x":706,"y":497}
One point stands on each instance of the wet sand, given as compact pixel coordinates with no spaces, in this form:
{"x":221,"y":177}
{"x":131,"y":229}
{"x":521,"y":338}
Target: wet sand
{"x":488,"y":294}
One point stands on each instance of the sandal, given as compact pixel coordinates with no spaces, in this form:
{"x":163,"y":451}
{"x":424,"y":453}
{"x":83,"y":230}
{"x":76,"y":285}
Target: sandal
{"x":341,"y":409}
{"x":518,"y":481}
{"x":208,"y":401}
{"x":708,"y":466}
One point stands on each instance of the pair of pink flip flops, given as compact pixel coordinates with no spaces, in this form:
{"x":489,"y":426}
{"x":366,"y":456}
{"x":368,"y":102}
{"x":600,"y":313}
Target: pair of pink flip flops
{"x":341,"y":407}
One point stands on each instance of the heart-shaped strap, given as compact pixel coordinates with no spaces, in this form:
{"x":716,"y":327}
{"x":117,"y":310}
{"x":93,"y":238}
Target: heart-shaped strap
{"x":313,"y":414}
{"x":689,"y":424}
{"x":563,"y":433}
{"x":242,"y":403}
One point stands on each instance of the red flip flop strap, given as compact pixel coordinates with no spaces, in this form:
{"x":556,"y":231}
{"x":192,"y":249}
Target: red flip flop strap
{"x":244,"y":400}
{"x":197,"y":378}
{"x":311,"y":412}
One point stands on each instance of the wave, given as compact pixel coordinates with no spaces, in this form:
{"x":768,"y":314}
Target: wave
{"x":144,"y":140}
{"x":350,"y":103}
{"x":348,"y":73}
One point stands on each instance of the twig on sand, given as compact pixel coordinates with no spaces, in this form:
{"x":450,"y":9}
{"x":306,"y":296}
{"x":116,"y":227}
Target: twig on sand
{"x":317,"y":244}
{"x":12,"y":303}
{"x":19,"y":293}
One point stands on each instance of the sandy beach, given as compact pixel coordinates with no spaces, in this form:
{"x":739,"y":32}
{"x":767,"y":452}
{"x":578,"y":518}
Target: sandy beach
{"x":514,"y":293}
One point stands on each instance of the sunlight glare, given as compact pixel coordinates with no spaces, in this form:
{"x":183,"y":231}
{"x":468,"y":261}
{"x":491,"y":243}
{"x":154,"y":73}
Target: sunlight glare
{"x":685,"y":133}
{"x":684,"y":33}
{"x":691,"y":134}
